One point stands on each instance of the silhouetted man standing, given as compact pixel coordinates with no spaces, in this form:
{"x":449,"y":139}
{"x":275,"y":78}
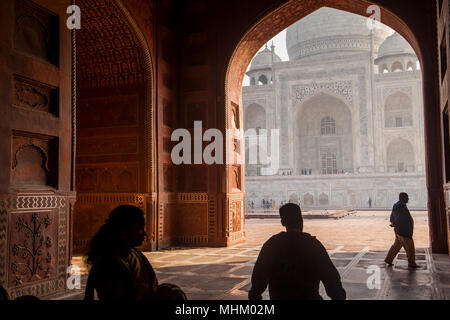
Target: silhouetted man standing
{"x":293,"y":263}
{"x":403,"y":225}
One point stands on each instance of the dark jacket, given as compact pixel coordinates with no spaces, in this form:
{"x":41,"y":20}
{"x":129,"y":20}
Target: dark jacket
{"x":402,"y":220}
{"x":112,"y":280}
{"x":293,"y":264}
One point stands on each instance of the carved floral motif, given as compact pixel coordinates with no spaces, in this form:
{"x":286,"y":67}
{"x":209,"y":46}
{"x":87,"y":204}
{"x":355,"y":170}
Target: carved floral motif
{"x":32,"y":261}
{"x":342,"y":88}
{"x":31,"y":97}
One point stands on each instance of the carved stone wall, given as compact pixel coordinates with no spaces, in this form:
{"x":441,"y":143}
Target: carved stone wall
{"x":341,"y":88}
{"x":38,"y":242}
{"x":33,"y":21}
{"x":106,"y":48}
{"x":443,"y":36}
{"x":34,"y":160}
{"x":92,"y":209}
{"x":35,"y":143}
{"x":34,"y":95}
{"x":115,"y":153}
{"x":191,"y":226}
{"x":236,"y":221}
{"x":111,"y":155}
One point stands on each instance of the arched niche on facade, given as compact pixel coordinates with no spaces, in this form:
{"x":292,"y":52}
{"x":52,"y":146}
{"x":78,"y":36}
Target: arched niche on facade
{"x":411,"y":66}
{"x":323,"y":199}
{"x":400,"y":156}
{"x":398,"y":110}
{"x":294,"y":198}
{"x":118,"y":95}
{"x":397,"y":66}
{"x":308,"y":200}
{"x":254,"y":117}
{"x":262,"y":80}
{"x":322,"y":125}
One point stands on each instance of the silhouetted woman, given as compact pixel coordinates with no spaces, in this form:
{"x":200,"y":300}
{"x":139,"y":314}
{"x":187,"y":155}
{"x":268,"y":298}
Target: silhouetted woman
{"x":118,"y":270}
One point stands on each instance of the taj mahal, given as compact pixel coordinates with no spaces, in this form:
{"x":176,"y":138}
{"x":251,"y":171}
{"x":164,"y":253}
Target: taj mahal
{"x":349,"y":109}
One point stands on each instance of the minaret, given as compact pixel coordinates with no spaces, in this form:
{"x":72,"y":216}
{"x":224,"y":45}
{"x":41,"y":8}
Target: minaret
{"x":272,"y":47}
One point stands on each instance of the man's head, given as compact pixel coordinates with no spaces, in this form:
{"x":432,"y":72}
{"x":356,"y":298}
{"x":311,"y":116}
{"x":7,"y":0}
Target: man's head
{"x":291,"y":216}
{"x":403,"y":197}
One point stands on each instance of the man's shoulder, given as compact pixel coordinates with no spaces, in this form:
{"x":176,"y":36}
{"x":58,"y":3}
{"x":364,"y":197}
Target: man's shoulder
{"x":398,"y":205}
{"x":283,"y":236}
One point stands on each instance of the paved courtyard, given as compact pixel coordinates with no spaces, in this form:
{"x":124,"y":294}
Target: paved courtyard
{"x":354,"y":243}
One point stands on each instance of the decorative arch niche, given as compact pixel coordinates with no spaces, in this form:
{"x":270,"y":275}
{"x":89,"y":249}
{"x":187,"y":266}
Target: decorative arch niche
{"x":397,"y":66}
{"x":30,"y":167}
{"x":398,"y":110}
{"x":322,"y":135}
{"x":254,"y":117}
{"x":400,"y":156}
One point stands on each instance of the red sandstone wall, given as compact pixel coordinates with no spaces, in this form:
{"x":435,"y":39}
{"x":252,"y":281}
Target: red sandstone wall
{"x":35,"y":141}
{"x":115,"y":122}
{"x":444,"y":62}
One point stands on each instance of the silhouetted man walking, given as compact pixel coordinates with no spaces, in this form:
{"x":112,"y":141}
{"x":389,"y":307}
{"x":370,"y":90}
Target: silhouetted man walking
{"x":403,"y":225}
{"x":293,"y":263}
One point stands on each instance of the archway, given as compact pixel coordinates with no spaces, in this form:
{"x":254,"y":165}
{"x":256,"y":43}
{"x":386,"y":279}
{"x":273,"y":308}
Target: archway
{"x":398,"y":111}
{"x":397,"y":66}
{"x":323,"y":132}
{"x":400,"y":156}
{"x":114,"y":147}
{"x":292,"y":11}
{"x":254,"y":117}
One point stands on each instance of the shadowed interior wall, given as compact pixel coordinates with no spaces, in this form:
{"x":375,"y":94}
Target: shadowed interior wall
{"x":443,"y":40}
{"x":36,"y":198}
{"x":114,"y":150}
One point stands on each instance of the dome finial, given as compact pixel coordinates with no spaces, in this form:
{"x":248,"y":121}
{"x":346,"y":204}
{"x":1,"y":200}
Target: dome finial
{"x":272,"y":47}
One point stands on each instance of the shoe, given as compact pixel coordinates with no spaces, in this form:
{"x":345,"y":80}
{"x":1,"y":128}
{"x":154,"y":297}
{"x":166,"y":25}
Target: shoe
{"x":416,"y":266}
{"x":389,"y":264}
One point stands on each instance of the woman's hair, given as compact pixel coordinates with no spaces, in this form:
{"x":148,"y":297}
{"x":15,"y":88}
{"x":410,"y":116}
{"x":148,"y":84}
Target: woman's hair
{"x":108,"y":238}
{"x":170,"y":292}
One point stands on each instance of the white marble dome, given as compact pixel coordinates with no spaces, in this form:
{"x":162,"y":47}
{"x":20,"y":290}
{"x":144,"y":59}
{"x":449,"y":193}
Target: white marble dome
{"x":330,"y":30}
{"x":264,"y":60}
{"x":394,"y":45}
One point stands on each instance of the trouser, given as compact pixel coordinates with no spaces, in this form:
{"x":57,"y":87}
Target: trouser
{"x":407,"y":244}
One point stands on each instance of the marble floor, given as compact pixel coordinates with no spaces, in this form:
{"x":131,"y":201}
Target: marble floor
{"x":224,"y":273}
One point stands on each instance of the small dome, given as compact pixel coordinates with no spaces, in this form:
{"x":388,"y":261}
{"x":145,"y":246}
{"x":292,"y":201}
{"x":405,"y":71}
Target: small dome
{"x":331,"y":30}
{"x":263,"y":59}
{"x":395,"y":44}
